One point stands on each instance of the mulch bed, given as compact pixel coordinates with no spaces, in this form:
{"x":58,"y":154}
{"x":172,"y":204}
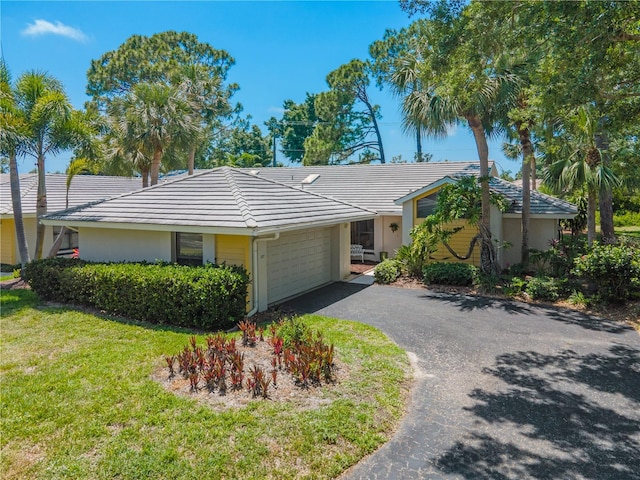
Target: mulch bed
{"x":358,"y":268}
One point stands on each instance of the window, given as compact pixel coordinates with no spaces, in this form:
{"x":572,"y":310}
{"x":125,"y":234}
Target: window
{"x":362,"y":233}
{"x":427,"y":205}
{"x":189,"y":248}
{"x":69,"y":240}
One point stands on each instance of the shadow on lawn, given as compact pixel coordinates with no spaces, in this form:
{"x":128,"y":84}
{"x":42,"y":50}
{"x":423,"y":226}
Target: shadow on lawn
{"x":469,"y":303}
{"x":567,"y":429}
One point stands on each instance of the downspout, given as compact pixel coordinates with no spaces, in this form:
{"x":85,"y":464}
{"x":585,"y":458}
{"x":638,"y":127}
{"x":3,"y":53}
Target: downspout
{"x":254,"y":261}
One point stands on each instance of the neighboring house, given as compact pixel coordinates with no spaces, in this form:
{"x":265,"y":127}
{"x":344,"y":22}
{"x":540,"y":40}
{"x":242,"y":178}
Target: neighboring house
{"x":292,"y":227}
{"x":506,"y":227}
{"x":289,"y":240}
{"x":84,"y":189}
{"x":375,"y":187}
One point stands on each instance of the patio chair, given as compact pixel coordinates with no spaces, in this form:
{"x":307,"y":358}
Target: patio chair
{"x":357,"y":251}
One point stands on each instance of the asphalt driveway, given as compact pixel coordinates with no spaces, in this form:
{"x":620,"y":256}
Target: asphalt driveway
{"x":504,"y":390}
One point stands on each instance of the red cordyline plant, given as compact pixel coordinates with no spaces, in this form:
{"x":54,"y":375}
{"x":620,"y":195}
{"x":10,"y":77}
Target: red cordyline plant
{"x":248,"y":329}
{"x":308,"y":359}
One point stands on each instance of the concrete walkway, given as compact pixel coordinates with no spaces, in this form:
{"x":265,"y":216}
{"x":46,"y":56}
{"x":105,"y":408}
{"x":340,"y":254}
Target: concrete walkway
{"x":504,"y":390}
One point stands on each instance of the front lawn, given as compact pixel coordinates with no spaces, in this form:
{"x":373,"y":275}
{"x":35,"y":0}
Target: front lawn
{"x":79,"y":401}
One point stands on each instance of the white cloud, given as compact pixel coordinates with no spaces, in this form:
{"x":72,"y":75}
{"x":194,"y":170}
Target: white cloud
{"x":278,"y":110}
{"x":43,"y":27}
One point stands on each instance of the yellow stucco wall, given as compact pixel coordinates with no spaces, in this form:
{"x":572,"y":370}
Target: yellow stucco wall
{"x":7,"y":241}
{"x":236,"y":250}
{"x":459,"y":242}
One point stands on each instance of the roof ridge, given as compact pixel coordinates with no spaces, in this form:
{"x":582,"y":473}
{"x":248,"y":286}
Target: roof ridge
{"x":242,"y":203}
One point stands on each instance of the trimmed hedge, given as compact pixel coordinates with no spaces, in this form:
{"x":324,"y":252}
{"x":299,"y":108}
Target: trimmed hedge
{"x":444,"y":273}
{"x":209,"y":297}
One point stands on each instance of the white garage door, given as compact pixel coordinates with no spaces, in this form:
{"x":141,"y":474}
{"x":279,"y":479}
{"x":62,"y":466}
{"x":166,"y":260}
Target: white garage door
{"x":298,"y":262}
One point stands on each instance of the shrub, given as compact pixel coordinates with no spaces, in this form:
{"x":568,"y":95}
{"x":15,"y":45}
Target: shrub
{"x":207,"y":297}
{"x":449,"y":273}
{"x":543,"y":288}
{"x":515,"y":286}
{"x":293,"y":330}
{"x":627,"y":219}
{"x":615,"y":269}
{"x":387,"y":271}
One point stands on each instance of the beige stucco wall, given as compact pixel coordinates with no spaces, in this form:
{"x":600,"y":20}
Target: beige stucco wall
{"x":386,"y":240}
{"x":115,"y":245}
{"x":541,"y":230}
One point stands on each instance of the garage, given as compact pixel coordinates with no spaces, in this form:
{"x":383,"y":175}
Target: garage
{"x":298,"y":262}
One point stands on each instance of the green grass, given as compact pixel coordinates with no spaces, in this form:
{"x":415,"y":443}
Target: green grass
{"x":628,"y":231}
{"x":78,"y":402}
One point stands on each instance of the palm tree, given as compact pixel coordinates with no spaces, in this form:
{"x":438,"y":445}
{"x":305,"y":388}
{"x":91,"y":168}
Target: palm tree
{"x":51,"y":127}
{"x":12,"y":135}
{"x":77,"y":166}
{"x":580,"y":164}
{"x":153,"y":118}
{"x":208,"y":100}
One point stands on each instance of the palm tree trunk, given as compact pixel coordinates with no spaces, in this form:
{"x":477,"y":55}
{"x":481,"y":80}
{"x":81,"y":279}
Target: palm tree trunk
{"x":16,"y":201}
{"x":527,"y":156}
{"x":144,"y":173}
{"x":418,"y":144}
{"x":55,"y":248}
{"x":591,"y":215}
{"x":488,"y":261}
{"x":607,"y":230}
{"x":41,"y":207}
{"x":534,"y":173}
{"x":155,"y":166}
{"x":191,"y":159}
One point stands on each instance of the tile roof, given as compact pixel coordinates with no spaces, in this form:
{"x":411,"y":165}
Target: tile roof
{"x":220,"y":198}
{"x":541,"y":204}
{"x":374,"y":187}
{"x":84,"y":189}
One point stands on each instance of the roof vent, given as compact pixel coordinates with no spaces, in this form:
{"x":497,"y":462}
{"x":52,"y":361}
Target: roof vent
{"x":254,"y":172}
{"x":310,"y":179}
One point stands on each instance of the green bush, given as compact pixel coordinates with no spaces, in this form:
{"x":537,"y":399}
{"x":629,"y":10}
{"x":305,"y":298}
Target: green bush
{"x":515,"y":286}
{"x":543,"y":288}
{"x":614,"y":269}
{"x":208,"y":297}
{"x":627,"y":219}
{"x":449,"y":273}
{"x":387,"y":271}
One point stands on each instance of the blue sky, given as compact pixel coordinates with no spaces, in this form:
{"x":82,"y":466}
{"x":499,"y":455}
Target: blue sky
{"x":282,"y":50}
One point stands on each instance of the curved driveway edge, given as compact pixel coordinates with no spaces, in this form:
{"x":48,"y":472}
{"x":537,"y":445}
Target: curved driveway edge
{"x":504,"y":390}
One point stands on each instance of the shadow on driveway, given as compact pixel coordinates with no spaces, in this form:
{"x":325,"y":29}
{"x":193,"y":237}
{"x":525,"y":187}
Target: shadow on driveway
{"x":553,"y":401}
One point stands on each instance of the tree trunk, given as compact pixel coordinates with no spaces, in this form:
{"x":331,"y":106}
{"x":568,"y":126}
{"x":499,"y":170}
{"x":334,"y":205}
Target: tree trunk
{"x":534,"y":173}
{"x":58,"y":241}
{"x":372,"y":113}
{"x":155,"y":166}
{"x":607,"y":230}
{"x":591,"y":215}
{"x":144,"y":173}
{"x":191,"y":160}
{"x":418,"y":144}
{"x":41,"y":207}
{"x":527,"y":159}
{"x":16,"y":201}
{"x":488,"y":261}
